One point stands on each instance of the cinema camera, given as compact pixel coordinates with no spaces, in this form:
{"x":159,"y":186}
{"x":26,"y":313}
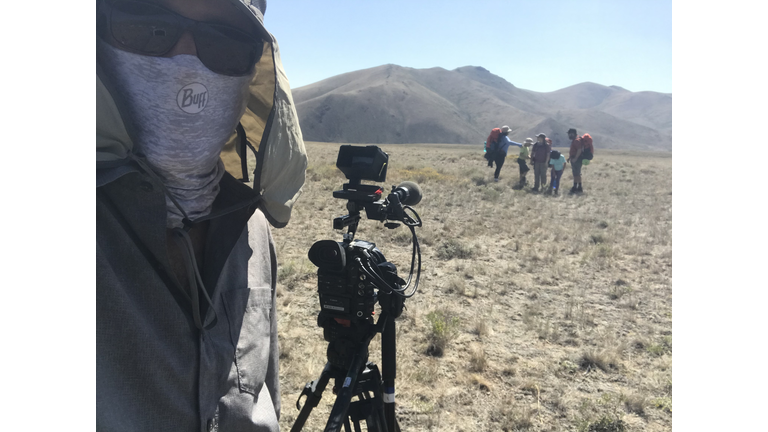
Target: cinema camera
{"x":352,"y":277}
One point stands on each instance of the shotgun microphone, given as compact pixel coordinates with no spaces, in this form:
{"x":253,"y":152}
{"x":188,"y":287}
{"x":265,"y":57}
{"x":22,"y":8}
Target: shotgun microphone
{"x":409,"y":193}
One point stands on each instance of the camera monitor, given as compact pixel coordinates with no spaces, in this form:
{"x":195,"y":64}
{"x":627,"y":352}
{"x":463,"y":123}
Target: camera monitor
{"x":363,"y":163}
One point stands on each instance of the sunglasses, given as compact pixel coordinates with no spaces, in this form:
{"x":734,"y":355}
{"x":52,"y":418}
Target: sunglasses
{"x":151,"y":30}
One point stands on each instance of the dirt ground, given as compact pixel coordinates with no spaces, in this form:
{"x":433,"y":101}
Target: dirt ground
{"x":550,"y":313}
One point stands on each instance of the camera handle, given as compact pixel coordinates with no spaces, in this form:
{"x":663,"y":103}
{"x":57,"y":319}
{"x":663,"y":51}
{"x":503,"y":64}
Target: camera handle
{"x":360,"y":380}
{"x":349,"y":221}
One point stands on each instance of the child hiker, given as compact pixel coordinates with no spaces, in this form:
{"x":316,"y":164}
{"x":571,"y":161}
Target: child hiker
{"x":557,"y":162}
{"x":524,"y":155}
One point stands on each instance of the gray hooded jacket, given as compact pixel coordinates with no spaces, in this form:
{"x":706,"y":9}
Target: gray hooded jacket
{"x":155,"y":368}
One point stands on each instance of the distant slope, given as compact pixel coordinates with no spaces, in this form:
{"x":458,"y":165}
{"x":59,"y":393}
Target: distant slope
{"x":394,"y":104}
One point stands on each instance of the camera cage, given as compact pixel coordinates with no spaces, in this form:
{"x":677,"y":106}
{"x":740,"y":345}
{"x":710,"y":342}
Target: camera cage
{"x":371,"y":163}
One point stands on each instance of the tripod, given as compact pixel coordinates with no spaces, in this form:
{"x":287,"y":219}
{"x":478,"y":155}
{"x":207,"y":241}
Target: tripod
{"x":363,"y":380}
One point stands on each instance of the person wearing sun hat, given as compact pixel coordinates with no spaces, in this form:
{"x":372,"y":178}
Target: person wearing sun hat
{"x":186,"y":268}
{"x":540,"y":158}
{"x":501,"y":150}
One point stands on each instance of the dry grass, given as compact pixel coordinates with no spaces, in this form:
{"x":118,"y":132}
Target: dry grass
{"x":478,"y":362}
{"x":555,"y":311}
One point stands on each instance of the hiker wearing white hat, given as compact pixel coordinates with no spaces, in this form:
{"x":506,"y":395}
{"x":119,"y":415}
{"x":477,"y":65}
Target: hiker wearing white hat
{"x":501,"y":150}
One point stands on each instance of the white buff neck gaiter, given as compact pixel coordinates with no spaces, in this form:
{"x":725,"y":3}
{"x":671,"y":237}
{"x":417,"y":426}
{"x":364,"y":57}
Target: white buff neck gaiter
{"x":183,"y":115}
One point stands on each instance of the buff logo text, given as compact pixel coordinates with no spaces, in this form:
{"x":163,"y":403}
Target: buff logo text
{"x":192,"y":98}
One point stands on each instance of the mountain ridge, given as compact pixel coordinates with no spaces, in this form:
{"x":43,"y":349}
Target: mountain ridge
{"x":391,"y":104}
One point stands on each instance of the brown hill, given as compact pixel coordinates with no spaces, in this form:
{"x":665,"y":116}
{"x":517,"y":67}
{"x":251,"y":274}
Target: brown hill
{"x":394,"y":104}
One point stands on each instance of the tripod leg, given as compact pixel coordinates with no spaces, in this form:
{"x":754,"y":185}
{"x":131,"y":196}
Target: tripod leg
{"x":314,"y":392}
{"x":389,"y":373}
{"x":344,"y":396}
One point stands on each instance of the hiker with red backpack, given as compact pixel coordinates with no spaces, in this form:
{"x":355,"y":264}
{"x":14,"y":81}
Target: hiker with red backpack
{"x":581,"y":150}
{"x":490,"y":145}
{"x":500,"y":150}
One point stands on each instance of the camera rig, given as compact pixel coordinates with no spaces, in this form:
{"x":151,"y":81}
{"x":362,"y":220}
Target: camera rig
{"x":352,"y":277}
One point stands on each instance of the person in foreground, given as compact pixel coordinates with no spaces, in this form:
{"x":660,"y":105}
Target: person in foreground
{"x":501,"y":150}
{"x":186,"y":330}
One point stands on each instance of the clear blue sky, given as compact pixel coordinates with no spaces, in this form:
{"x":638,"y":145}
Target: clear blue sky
{"x":542,"y":45}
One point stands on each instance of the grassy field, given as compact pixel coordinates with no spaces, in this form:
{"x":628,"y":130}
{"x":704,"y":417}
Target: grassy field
{"x":534,"y":312}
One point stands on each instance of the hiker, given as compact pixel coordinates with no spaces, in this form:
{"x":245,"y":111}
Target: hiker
{"x":557,"y":162}
{"x":522,"y":158}
{"x":575,"y":159}
{"x":501,"y":150}
{"x":490,"y":146}
{"x":540,"y":158}
{"x":186,"y":325}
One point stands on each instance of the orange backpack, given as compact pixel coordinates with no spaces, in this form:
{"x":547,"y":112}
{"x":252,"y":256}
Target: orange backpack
{"x":588,"y":150}
{"x":493,"y":138}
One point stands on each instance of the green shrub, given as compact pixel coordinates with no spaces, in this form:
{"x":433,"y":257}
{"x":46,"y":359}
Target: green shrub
{"x":663,"y":403}
{"x":491,"y":194}
{"x":619,"y":289}
{"x":444,"y":327}
{"x":604,"y":360}
{"x":479,"y":180}
{"x":607,"y":424}
{"x":453,"y":248}
{"x":286,"y":270}
{"x":604,"y":251}
{"x":457,"y":286}
{"x":661,"y":348}
{"x":634,"y":403}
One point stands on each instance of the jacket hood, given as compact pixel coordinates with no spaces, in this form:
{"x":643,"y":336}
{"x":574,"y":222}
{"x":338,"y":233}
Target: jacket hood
{"x":267,"y":148}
